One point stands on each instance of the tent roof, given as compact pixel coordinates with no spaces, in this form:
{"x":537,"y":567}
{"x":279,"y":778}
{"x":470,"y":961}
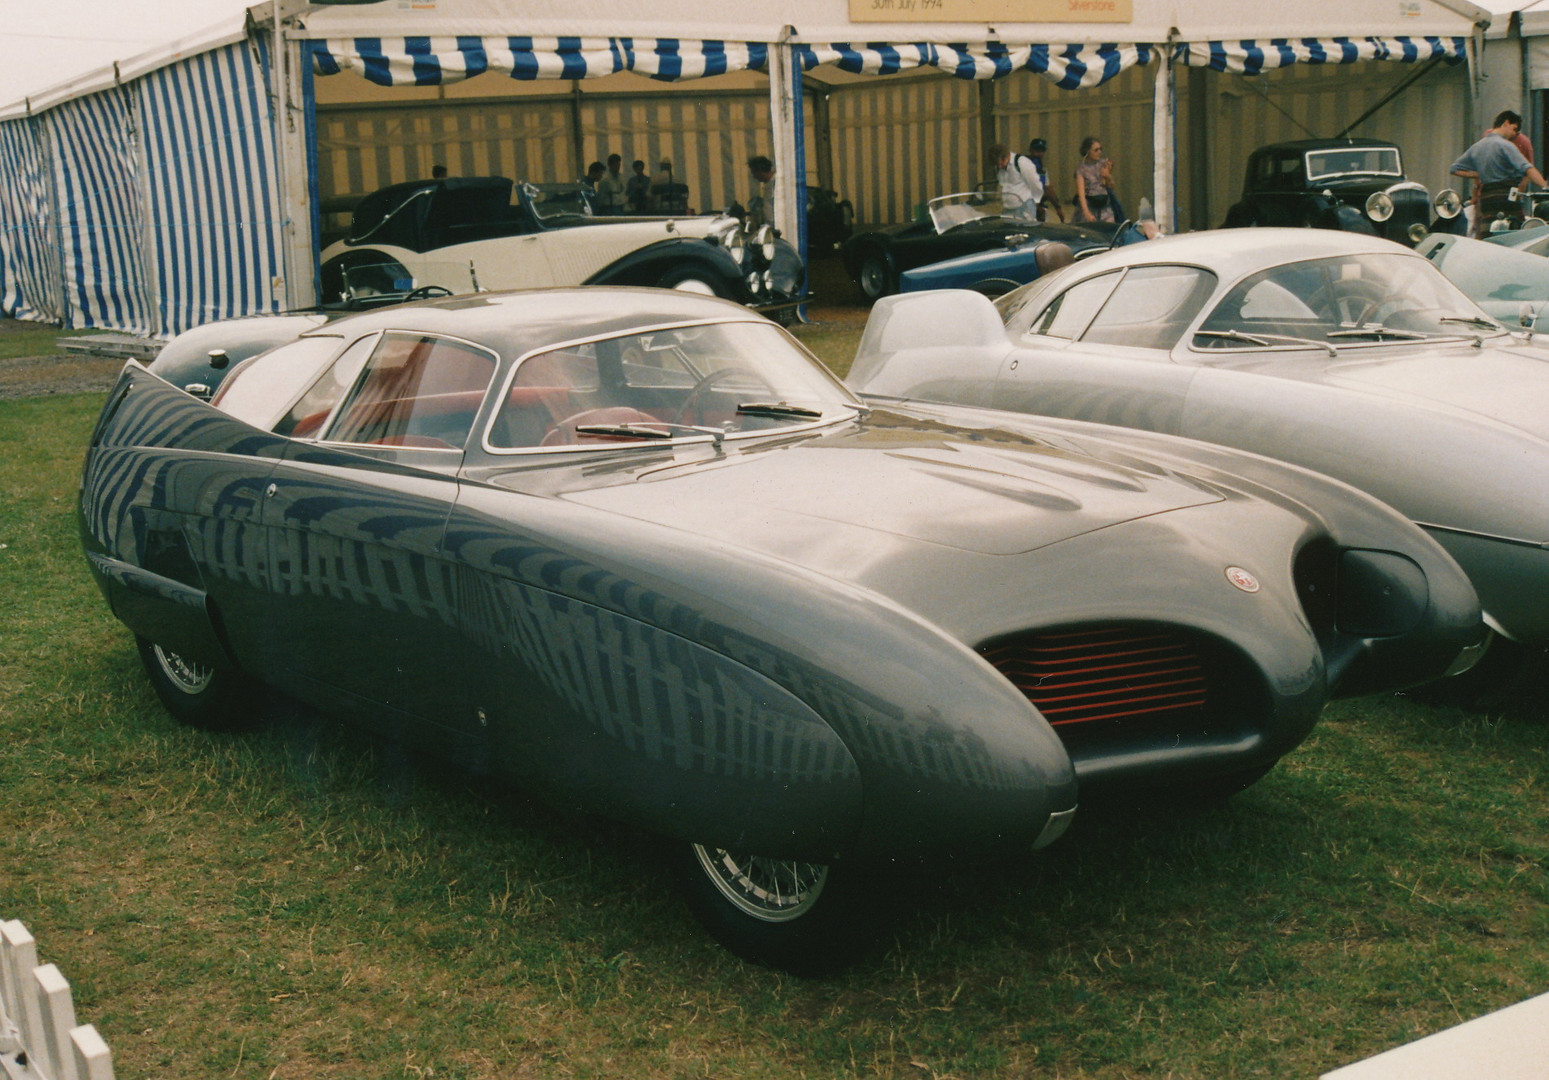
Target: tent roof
{"x":830,"y":20}
{"x":226,"y":32}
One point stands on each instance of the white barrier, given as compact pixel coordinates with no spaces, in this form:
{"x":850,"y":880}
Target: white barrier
{"x":39,"y":1039}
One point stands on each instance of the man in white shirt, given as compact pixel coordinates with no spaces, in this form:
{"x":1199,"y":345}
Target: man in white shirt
{"x":1021,"y":189}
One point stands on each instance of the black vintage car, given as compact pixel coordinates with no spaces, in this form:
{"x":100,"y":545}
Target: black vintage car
{"x":950,"y":226}
{"x":1355,"y":185}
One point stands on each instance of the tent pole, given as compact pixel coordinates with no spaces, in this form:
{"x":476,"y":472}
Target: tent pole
{"x":293,"y":285}
{"x":1164,"y":138}
{"x":782,"y":119}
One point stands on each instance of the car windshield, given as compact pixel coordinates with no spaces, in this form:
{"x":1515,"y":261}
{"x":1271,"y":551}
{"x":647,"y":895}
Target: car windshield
{"x":1353,"y":161}
{"x":551,"y":201}
{"x":717,"y":380}
{"x":950,"y":211}
{"x":1365,"y":299}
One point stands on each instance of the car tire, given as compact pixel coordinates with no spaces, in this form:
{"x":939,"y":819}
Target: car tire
{"x":215,"y":699}
{"x":876,"y":276}
{"x":799,"y":917}
{"x":689,"y":279}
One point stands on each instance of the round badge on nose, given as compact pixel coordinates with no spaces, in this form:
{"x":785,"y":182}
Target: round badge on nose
{"x":1242,"y":579}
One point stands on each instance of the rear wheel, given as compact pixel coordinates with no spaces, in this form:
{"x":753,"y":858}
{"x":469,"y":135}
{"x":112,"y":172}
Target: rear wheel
{"x":801,"y":917}
{"x":216,"y":699}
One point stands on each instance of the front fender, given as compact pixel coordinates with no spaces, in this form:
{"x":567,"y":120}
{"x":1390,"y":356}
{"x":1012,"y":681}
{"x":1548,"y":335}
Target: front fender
{"x":658,"y":263}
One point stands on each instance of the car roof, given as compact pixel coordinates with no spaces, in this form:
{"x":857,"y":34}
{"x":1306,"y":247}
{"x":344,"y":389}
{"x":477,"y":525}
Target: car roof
{"x":1234,"y":252}
{"x":1302,"y":145}
{"x":518,"y":322}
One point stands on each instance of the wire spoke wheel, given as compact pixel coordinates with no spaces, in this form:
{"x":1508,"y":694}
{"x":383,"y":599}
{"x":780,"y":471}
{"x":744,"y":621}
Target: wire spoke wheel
{"x":185,"y":675}
{"x":807,"y":918}
{"x":774,"y":890}
{"x":194,"y":693}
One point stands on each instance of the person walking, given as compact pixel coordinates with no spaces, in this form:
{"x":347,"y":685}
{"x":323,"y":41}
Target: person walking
{"x":1091,"y":200}
{"x":1021,"y":190}
{"x":1050,"y":201}
{"x":1498,"y":167}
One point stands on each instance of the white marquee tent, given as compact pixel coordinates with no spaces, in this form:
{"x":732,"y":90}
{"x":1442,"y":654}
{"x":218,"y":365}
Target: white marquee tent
{"x":182,"y":186}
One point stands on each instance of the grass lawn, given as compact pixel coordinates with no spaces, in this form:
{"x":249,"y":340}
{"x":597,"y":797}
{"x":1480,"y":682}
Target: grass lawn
{"x":300,"y":902}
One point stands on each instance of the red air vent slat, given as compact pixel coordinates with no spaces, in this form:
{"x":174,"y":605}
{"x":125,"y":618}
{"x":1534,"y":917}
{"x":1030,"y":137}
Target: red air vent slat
{"x":1111,"y":674}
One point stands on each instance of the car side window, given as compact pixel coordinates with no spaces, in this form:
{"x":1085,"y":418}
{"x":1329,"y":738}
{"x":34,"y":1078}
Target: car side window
{"x":1070,"y":312}
{"x":1152,"y":307}
{"x":258,"y":390}
{"x":417,"y":390}
{"x":306,"y":418}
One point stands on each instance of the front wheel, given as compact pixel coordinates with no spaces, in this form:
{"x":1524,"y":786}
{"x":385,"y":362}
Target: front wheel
{"x":800,"y":917}
{"x":688,"y":280}
{"x":215,"y":699}
{"x":876,"y":277}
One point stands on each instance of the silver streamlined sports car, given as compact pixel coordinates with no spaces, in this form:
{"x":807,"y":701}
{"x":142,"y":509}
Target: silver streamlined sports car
{"x":1347,"y":354}
{"x":638,"y":551}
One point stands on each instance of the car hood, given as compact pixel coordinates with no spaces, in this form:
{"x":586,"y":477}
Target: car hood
{"x":1495,"y":384}
{"x":991,"y":493}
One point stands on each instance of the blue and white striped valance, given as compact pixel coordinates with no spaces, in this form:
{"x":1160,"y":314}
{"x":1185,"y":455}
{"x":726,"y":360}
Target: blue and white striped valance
{"x":427,"y":61}
{"x":1255,"y":57}
{"x":1072,"y":67}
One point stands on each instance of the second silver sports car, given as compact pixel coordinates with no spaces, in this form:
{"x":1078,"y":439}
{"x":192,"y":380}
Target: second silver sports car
{"x":1347,"y":354}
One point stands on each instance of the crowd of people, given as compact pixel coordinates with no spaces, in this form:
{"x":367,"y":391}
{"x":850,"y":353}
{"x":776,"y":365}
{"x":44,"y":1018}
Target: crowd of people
{"x":1026,"y":192}
{"x":614,"y":194}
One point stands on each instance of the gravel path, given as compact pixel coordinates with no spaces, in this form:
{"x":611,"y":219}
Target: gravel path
{"x":64,"y":373}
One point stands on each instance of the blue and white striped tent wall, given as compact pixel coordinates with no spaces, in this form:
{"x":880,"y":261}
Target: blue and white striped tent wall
{"x":101,"y":217}
{"x":165,"y":201}
{"x":29,"y":268}
{"x":208,"y":155}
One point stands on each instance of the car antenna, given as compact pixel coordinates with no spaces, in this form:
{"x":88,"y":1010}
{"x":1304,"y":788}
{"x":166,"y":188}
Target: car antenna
{"x":473,"y":277}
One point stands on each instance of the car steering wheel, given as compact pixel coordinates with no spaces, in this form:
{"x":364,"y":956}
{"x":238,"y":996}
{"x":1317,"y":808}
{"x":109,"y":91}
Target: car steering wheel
{"x":1352,"y":304}
{"x":426,"y":292}
{"x":691,"y":399}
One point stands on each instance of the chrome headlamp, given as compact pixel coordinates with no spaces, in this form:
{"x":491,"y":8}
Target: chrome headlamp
{"x":727,"y":231}
{"x":1448,"y":203}
{"x":1379,"y":206}
{"x":764,"y":240}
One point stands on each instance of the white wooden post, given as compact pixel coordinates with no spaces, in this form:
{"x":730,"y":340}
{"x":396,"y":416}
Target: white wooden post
{"x":39,"y":1039}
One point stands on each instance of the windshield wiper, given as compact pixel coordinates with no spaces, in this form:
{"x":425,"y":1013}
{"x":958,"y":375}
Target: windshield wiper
{"x":658,"y":429}
{"x":777,"y":408}
{"x":626,"y":431}
{"x":1265,"y":341}
{"x":1381,"y":332}
{"x":1472,"y":320}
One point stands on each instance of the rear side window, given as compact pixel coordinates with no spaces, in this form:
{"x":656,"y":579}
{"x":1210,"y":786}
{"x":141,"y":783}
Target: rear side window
{"x":260,"y":390}
{"x":1152,"y":307}
{"x":416,"y":390}
{"x":1068,"y":316}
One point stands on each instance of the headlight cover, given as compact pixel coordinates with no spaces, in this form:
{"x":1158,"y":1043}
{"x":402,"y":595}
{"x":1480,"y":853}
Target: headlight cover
{"x":1379,"y":206}
{"x":1448,"y":203}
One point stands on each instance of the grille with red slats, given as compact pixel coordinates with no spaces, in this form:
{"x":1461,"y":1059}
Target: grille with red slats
{"x":1123,"y":675}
